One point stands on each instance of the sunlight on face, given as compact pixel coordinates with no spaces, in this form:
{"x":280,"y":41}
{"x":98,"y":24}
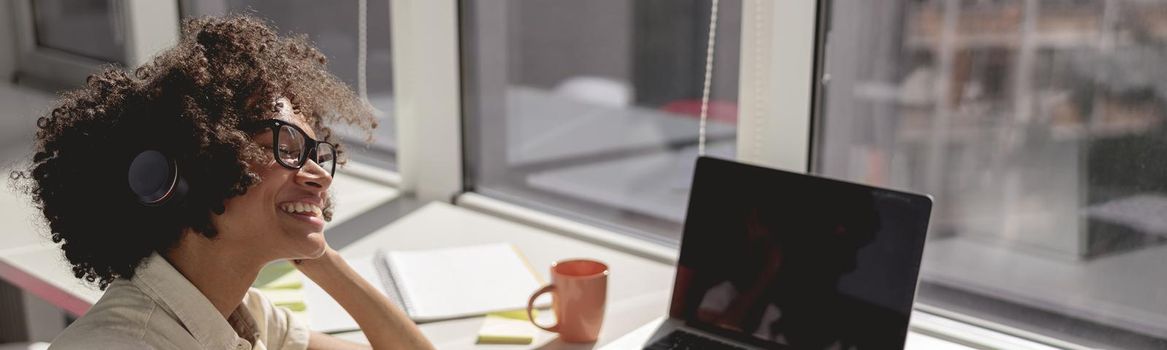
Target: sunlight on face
{"x":281,"y":216}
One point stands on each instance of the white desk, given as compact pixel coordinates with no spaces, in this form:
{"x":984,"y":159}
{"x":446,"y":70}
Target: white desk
{"x":638,"y":288}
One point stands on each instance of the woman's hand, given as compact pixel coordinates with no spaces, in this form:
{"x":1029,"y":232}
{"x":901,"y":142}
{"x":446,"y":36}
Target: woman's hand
{"x":330,"y":260}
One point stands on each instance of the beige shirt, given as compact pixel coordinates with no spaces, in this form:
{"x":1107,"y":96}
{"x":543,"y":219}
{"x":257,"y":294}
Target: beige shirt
{"x":160,"y":309}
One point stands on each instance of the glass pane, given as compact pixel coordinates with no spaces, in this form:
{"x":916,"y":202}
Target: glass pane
{"x":90,"y":28}
{"x":325,"y":156}
{"x":1038,"y":125}
{"x":333,"y":27}
{"x":589,"y":109}
{"x":290,"y":146}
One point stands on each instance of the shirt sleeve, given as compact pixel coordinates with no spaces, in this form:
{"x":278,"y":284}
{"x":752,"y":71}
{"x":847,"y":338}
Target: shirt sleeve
{"x":278,"y":327}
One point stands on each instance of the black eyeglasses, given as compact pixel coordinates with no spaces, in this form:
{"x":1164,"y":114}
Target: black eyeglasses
{"x":292,"y":147}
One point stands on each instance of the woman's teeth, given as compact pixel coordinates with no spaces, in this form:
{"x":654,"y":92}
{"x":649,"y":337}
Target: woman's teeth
{"x":301,"y":208}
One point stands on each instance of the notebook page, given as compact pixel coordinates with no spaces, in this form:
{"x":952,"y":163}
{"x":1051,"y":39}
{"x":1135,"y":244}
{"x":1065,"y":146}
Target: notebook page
{"x":463,"y":281}
{"x":324,"y":313}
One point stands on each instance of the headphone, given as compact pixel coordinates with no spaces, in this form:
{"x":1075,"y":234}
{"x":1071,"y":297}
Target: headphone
{"x":154,"y":179}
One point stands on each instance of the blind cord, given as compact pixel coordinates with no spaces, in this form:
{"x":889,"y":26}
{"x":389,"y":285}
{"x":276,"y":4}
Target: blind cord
{"x":708,"y":78}
{"x":362,"y":49}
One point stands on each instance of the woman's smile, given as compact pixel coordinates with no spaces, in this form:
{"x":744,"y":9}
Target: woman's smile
{"x":304,"y":211}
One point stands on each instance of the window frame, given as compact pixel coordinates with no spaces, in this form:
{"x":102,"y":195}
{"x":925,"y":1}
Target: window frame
{"x":148,"y":26}
{"x":428,"y":85}
{"x":781,"y":50}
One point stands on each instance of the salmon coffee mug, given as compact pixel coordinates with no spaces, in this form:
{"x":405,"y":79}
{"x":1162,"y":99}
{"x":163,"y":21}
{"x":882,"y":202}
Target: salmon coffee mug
{"x":579,"y":289}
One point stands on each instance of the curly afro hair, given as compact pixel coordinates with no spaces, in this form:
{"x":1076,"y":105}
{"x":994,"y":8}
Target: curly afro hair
{"x":189,"y":103}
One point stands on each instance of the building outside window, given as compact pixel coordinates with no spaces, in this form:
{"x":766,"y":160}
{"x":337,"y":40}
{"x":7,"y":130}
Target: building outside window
{"x":1039,"y":128}
{"x":589,"y":109}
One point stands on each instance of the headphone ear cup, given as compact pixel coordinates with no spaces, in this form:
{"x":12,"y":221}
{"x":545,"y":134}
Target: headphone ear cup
{"x":153,"y":178}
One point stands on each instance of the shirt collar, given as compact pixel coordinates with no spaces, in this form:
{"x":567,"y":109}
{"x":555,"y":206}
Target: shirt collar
{"x":170,"y":289}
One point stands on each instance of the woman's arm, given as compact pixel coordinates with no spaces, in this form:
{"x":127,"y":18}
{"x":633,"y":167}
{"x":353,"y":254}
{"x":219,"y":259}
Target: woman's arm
{"x":321,"y":341}
{"x":384,"y":324}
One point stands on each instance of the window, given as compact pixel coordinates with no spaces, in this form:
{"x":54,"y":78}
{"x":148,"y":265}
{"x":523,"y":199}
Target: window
{"x":1038,"y":125}
{"x":334,"y":27}
{"x":60,"y":43}
{"x":589,"y":109}
{"x":58,"y":25}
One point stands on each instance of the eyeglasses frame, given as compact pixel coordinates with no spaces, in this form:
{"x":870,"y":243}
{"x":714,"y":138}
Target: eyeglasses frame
{"x":310,"y":143}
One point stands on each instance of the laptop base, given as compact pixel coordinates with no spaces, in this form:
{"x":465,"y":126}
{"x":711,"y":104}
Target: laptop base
{"x":660,"y":328}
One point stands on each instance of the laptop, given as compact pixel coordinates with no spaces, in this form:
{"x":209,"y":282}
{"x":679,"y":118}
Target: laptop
{"x":779,"y":260}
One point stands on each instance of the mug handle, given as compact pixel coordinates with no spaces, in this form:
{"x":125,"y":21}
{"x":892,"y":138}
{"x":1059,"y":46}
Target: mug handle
{"x":531,"y":305}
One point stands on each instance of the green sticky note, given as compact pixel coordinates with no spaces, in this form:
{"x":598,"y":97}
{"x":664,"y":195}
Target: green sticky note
{"x":280,"y":275}
{"x":506,"y":330}
{"x":514,"y":314}
{"x":292,"y":299}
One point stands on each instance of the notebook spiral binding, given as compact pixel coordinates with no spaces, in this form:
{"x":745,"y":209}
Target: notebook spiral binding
{"x":390,"y":283}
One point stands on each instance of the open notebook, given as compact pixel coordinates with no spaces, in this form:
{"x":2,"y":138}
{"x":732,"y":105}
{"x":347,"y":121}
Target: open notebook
{"x":437,"y":284}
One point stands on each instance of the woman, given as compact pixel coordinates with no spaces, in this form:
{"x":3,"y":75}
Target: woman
{"x":171,"y":188}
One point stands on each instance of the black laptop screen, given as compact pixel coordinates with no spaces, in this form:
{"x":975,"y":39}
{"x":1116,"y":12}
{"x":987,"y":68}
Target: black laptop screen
{"x":793,"y":259}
